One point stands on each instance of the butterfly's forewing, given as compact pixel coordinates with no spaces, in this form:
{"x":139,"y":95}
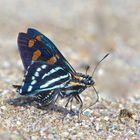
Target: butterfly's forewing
{"x":41,"y":78}
{"x":35,"y":46}
{"x":31,"y":50}
{"x":25,"y":51}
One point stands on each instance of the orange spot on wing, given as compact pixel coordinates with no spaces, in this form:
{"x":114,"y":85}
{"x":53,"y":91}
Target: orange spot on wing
{"x":31,"y":43}
{"x":36,"y":55}
{"x":57,"y":56}
{"x":39,"y":37}
{"x":52,"y":60}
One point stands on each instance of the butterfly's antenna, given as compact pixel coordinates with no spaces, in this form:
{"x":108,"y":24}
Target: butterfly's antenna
{"x":87,"y":68}
{"x":95,"y":101}
{"x":93,"y":86}
{"x":99,"y":63}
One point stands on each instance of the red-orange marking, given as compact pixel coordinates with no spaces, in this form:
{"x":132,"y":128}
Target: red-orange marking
{"x":57,"y":56}
{"x":39,"y":37}
{"x":31,"y":43}
{"x":51,"y":60}
{"x":36,"y":55}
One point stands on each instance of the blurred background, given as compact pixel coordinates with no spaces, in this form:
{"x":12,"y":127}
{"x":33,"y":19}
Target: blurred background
{"x":84,"y":31}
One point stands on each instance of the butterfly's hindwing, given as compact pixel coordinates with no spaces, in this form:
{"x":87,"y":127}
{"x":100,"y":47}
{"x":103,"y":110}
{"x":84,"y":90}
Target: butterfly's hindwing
{"x":42,"y":77}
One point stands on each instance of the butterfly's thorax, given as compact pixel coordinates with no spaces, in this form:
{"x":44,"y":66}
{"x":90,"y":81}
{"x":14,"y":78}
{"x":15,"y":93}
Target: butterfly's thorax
{"x":78,"y":83}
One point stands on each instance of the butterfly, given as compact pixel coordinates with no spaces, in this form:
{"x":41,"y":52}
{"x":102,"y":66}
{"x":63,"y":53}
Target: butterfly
{"x":48,"y":75}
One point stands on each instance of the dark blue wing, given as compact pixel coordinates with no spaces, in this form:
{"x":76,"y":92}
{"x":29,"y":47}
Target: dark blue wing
{"x":35,"y":46}
{"x":41,"y":77}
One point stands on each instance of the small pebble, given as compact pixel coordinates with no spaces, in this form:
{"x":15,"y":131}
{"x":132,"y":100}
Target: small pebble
{"x":106,"y":118}
{"x":87,"y":113}
{"x":115,"y":126}
{"x":80,"y":134}
{"x":3,"y":107}
{"x":18,"y":123}
{"x":34,"y":137}
{"x":65,"y":134}
{"x":97,"y":126}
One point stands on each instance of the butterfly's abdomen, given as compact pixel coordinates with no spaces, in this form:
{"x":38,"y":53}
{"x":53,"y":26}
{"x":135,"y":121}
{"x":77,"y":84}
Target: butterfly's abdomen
{"x":73,"y":87}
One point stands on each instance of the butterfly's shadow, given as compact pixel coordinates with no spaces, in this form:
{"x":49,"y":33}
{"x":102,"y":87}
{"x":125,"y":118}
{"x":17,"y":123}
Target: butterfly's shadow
{"x":30,"y":101}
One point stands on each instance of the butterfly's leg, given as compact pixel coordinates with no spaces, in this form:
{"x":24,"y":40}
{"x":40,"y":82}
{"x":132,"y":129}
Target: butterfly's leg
{"x":78,"y":98}
{"x":53,"y":102}
{"x":68,"y":101}
{"x":71,"y":104}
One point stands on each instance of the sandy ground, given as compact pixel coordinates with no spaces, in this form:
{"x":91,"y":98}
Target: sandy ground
{"x":84,"y":31}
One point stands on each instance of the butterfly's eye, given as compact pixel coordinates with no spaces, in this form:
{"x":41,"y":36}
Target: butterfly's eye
{"x":91,"y":82}
{"x":88,"y":80}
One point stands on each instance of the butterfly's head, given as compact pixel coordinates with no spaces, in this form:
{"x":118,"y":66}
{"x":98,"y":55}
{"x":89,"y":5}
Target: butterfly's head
{"x":84,"y":80}
{"x":88,"y":80}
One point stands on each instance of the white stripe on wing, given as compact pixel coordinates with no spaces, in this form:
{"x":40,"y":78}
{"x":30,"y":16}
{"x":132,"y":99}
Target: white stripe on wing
{"x":51,"y":72}
{"x":54,"y":80}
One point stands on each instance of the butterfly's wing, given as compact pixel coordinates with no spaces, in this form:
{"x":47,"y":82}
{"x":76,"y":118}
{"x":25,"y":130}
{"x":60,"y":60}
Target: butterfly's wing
{"x":33,"y":45}
{"x":41,"y":76}
{"x":42,"y":80}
